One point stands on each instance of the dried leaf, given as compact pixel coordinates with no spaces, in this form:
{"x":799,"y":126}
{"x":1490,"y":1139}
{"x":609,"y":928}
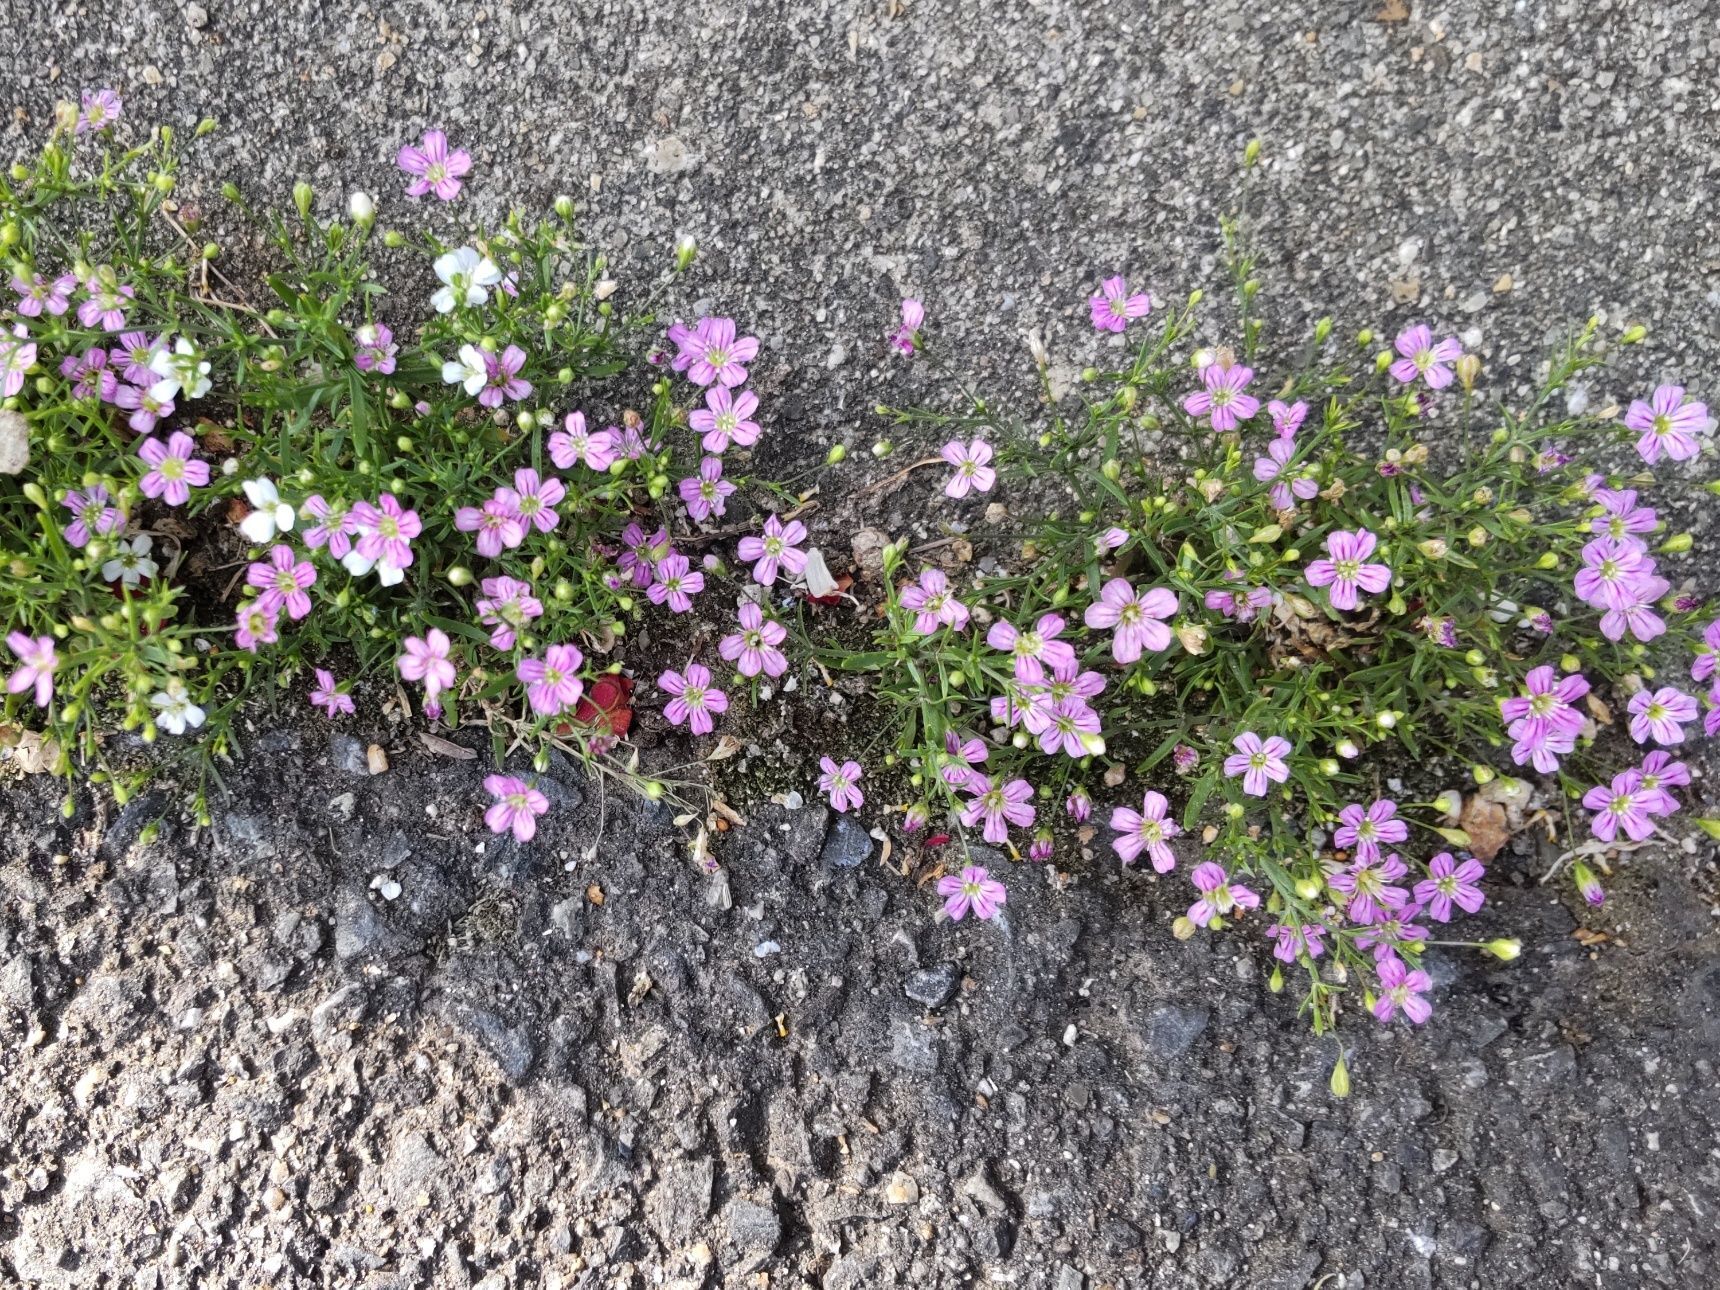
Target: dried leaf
{"x":728,"y":812}
{"x":446,"y":747}
{"x":1484,"y":822}
{"x":727,"y":747}
{"x":1588,"y":936}
{"x":1598,"y":709}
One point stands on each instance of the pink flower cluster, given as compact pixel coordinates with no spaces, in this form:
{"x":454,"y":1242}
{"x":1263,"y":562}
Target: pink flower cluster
{"x":503,"y":521}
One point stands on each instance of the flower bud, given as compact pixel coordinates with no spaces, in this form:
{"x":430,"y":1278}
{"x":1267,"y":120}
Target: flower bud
{"x":882,"y":449}
{"x":1347,"y":749}
{"x":393,"y":239}
{"x":1340,"y":1082}
{"x":1482,"y":774}
{"x":686,"y":251}
{"x":1386,"y":720}
{"x":836,"y":455}
{"x":1633,"y":335}
{"x":563,"y":206}
{"x":1468,"y":368}
{"x":361,"y":208}
{"x":302,"y":195}
{"x":1329,"y":766}
{"x":1111,"y":469}
{"x":654,"y":789}
{"x":459,"y":576}
{"x":1183,"y":928}
{"x":1382,"y":360}
{"x":1477,"y":536}
{"x":916,"y":817}
{"x":1504,"y":949}
{"x":1322,"y":331}
{"x":1677,"y":544}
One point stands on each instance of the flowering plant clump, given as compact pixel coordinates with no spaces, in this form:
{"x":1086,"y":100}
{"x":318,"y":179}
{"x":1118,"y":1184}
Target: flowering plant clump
{"x":1279,"y":584}
{"x":332,"y":489}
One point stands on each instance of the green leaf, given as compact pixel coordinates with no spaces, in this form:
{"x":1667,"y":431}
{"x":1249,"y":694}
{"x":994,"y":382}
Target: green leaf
{"x":1197,"y":801}
{"x":1710,"y":827}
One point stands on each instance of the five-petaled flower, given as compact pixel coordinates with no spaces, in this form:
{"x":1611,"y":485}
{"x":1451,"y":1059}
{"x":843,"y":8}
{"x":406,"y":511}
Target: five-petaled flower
{"x":1365,"y":828}
{"x":37,"y":660}
{"x":552,"y":682}
{"x":426,"y":659}
{"x":173,"y":472}
{"x":757,"y":646}
{"x":1347,"y":569}
{"x":1148,"y":829}
{"x":1667,"y":424}
{"x":972,"y":891}
{"x":1451,"y":882}
{"x":283,"y":579}
{"x":1218,"y":895}
{"x":1223,"y":399}
{"x":1137,"y":617}
{"x":696,"y":701}
{"x":1420,"y":356}
{"x":1113,"y":308}
{"x":972,"y":472}
{"x":841,"y":784}
{"x":516,"y":808}
{"x":328,"y":696}
{"x":433,"y":167}
{"x":777,"y":548}
{"x":1259,"y":761}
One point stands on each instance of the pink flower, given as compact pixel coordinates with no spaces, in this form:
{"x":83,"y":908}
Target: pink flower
{"x":696,"y":700}
{"x":1637,"y":615}
{"x":1371,"y":888}
{"x":1588,"y":885}
{"x":1449,"y":883}
{"x":335,"y":525}
{"x":598,"y":450}
{"x":37,"y":660}
{"x":907,"y":337}
{"x":1292,"y":940}
{"x":640,"y":553}
{"x":975,"y":891}
{"x":506,"y":606}
{"x":516,"y":808}
{"x":933,"y":603}
{"x":1218,"y":895}
{"x":1287,"y":489}
{"x":970,"y":460}
{"x":960,"y":758}
{"x":1033,"y":650}
{"x":1657,"y":773}
{"x":716,"y":355}
{"x":1546,"y":703}
{"x":1145,"y":830}
{"x":1114,"y":308}
{"x":1620,"y":805}
{"x":91,"y":516}
{"x":1402,"y":990}
{"x":1421,"y":357}
{"x":89,"y":372}
{"x":726,"y":418}
{"x":1622,"y":519}
{"x":173,"y":473}
{"x":707,"y":493}
{"x":1661,"y":716}
{"x":1136,"y":618}
{"x":503,"y":379}
{"x":1079,"y":805}
{"x":99,"y":110}
{"x":255,"y":625}
{"x":1286,"y":420}
{"x":497,"y":523}
{"x":39,"y":293}
{"x":17,"y":356}
{"x":134,"y":354}
{"x":1365,"y":828}
{"x":386,"y":531}
{"x":1223,"y":398}
{"x":1702,"y":667}
{"x":1259,"y":761}
{"x":552,"y":682}
{"x":536,"y":499}
{"x":374,"y":348}
{"x":756,"y":647}
{"x":675,"y":584}
{"x":839,"y":784}
{"x":1347,"y":571}
{"x":997,"y":805}
{"x":434,"y":169}
{"x":105,"y":304}
{"x":778,"y":547}
{"x":426,"y":659}
{"x":330,"y":699}
{"x":283,"y":578}
{"x":1667,"y":425}
{"x":1068,"y":726}
{"x":1613,"y":573}
{"x":144,"y":407}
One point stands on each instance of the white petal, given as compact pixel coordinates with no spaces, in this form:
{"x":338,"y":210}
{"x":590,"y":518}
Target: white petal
{"x":285,"y":517}
{"x":261,"y":492}
{"x":193,"y":715}
{"x":476,"y":296}
{"x":453,"y":373}
{"x":486,"y":274}
{"x":443,"y":300}
{"x":356,"y":564}
{"x":259,"y":526}
{"x":111,"y":570}
{"x":388,"y":575}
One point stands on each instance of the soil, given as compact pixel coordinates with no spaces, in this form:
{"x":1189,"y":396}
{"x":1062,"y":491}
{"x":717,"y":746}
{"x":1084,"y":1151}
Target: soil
{"x":238,"y":1056}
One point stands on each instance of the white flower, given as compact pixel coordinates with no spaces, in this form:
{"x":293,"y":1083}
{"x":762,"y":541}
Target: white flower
{"x":471,"y":371}
{"x":184,"y":369}
{"x":361,"y":208}
{"x":131,"y":563}
{"x":269,"y":514}
{"x":357,"y":565}
{"x":174,"y":709}
{"x":469,"y":277}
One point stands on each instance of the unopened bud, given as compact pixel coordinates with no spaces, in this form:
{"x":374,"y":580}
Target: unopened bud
{"x":302,"y":195}
{"x":1468,"y":368}
{"x":1677,"y":543}
{"x":1633,"y":335}
{"x":836,"y":455}
{"x":361,"y":208}
{"x":460,"y":576}
{"x":686,"y":251}
{"x":1505,"y":948}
